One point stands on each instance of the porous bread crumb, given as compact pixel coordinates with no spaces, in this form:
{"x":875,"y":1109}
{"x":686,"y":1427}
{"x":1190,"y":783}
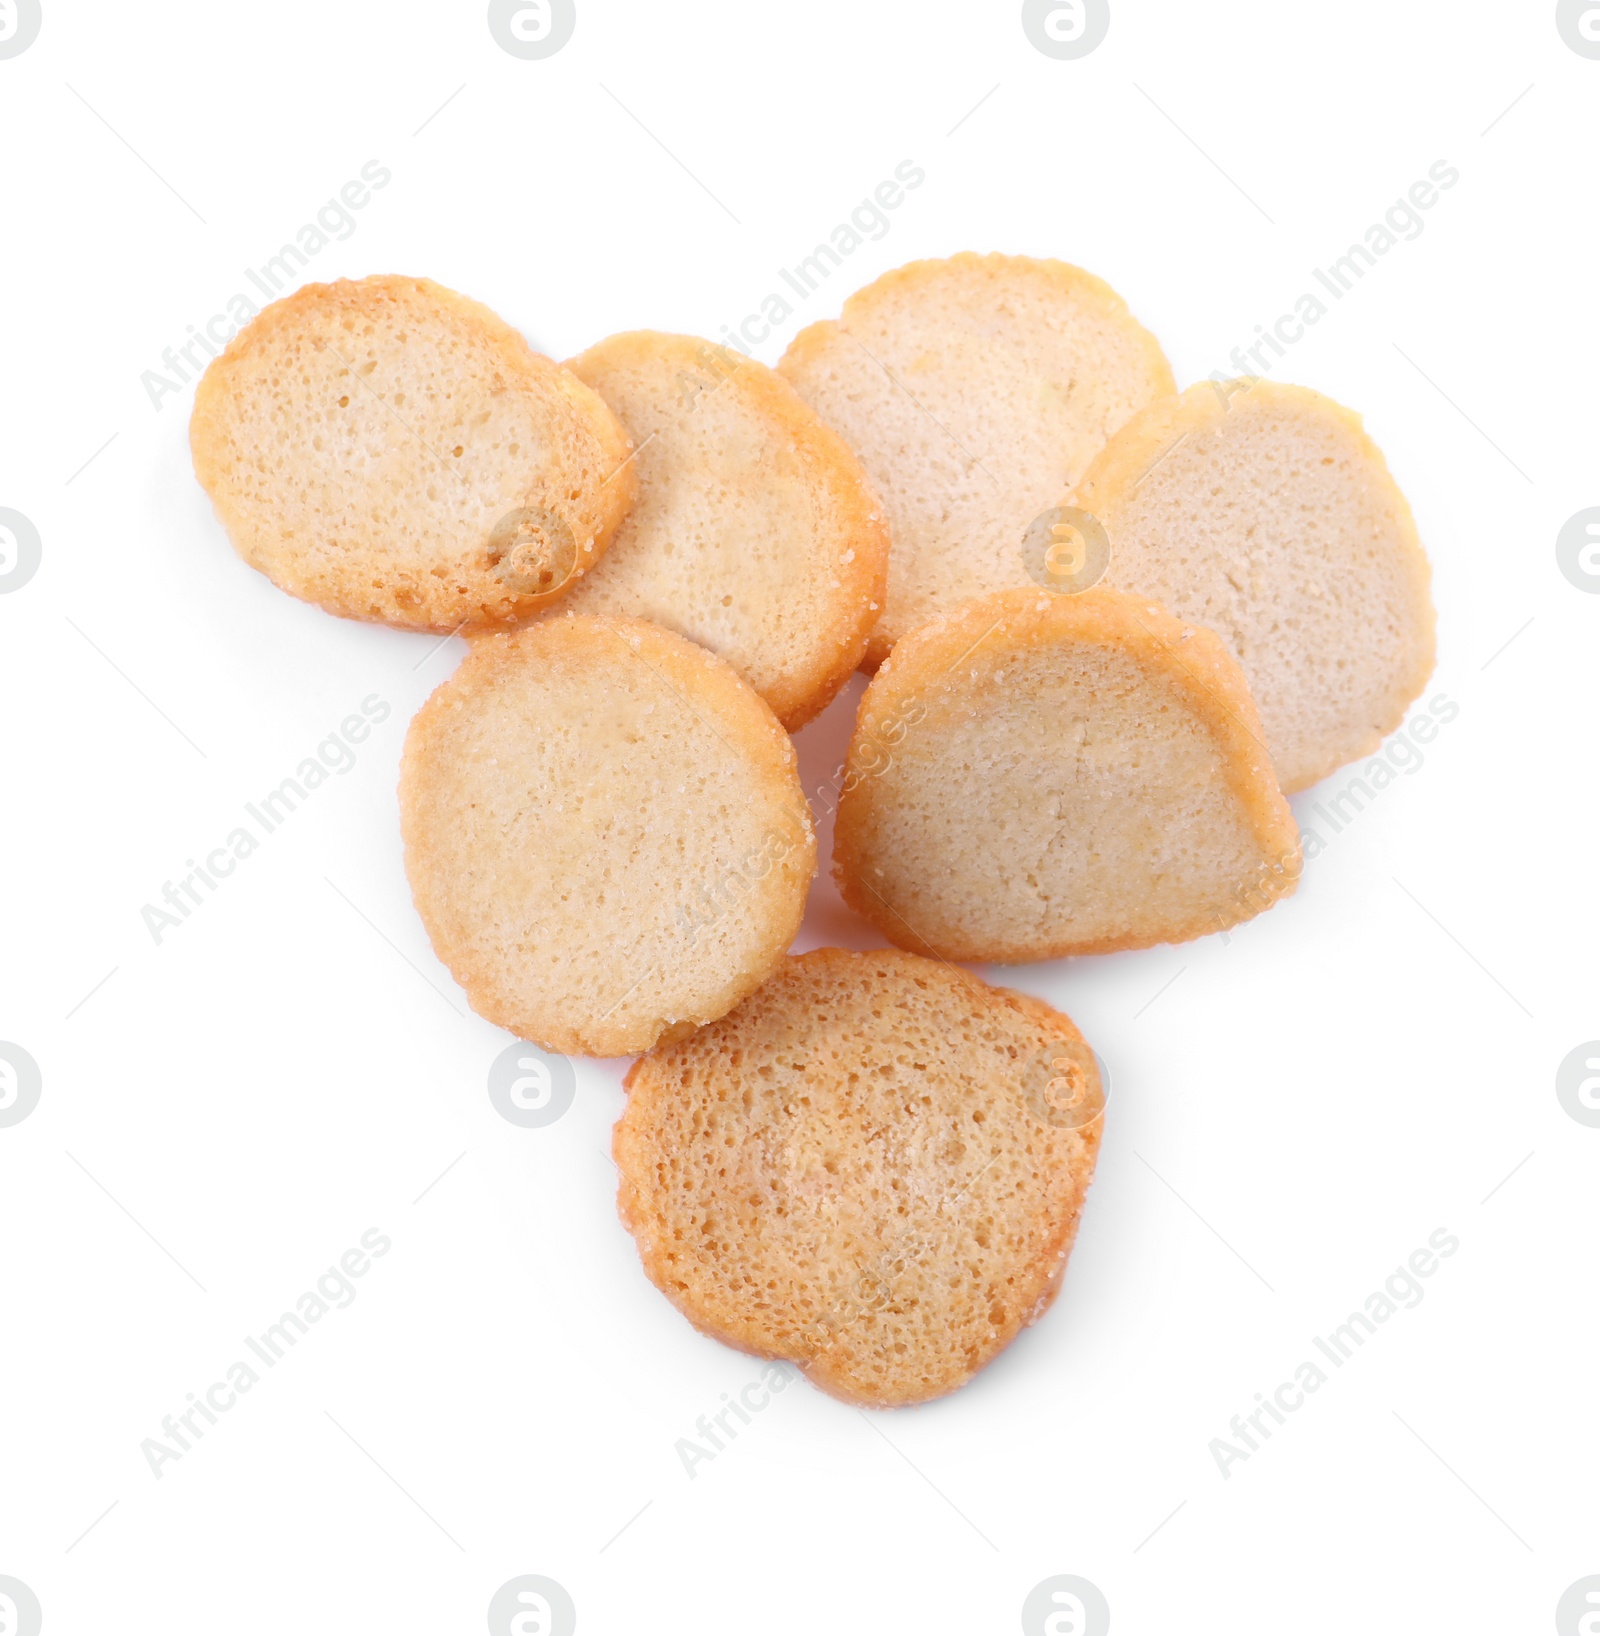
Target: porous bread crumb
{"x":859,"y":1170}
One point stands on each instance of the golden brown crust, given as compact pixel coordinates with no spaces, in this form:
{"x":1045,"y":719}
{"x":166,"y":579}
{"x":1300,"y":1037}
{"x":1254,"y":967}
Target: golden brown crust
{"x":347,"y":494}
{"x":856,"y":1171}
{"x":928,"y":683}
{"x":834,"y":568}
{"x":1131,"y":459}
{"x":564,"y":800}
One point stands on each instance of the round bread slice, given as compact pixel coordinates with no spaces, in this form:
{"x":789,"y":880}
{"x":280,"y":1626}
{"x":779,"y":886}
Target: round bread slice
{"x":604,"y":832}
{"x":392,"y":451}
{"x":873,"y":1168}
{"x":1266,"y":513}
{"x":1041,"y":775}
{"x":754,"y":532}
{"x":970,"y":388}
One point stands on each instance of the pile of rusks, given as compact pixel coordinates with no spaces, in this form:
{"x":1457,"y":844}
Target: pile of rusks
{"x":1109,"y":624}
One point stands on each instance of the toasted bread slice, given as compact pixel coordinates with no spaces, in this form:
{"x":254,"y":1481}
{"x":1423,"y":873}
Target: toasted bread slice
{"x":605,"y":833}
{"x":754,"y":533}
{"x":1041,"y":775}
{"x":1266,"y":513}
{"x":874,"y":1167}
{"x":970,"y":388}
{"x":392,"y":451}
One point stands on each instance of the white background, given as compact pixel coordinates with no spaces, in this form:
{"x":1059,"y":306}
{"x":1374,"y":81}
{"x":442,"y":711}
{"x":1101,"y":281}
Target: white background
{"x":1295,"y":1109}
